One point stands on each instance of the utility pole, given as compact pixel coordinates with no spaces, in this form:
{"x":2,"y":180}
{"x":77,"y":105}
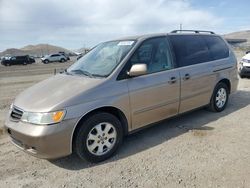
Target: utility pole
{"x":180,"y":26}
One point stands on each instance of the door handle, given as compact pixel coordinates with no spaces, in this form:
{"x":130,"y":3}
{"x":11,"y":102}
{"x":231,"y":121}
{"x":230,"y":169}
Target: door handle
{"x":186,"y":77}
{"x":172,"y":80}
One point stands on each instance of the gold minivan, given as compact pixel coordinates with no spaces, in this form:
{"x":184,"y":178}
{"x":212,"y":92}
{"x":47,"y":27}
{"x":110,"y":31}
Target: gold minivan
{"x":121,"y":86}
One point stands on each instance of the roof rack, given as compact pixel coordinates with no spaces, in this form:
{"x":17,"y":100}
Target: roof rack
{"x":195,"y":31}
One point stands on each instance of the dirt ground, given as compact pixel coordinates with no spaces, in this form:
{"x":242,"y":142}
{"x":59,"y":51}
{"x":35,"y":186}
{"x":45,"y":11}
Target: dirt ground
{"x":198,"y":149}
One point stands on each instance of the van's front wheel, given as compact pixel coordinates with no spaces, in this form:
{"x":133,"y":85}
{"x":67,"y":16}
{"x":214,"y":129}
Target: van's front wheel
{"x":219,"y":99}
{"x":98,"y":137}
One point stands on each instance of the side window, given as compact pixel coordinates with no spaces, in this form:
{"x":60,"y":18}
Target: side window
{"x":217,"y":47}
{"x":155,"y":53}
{"x":189,"y":49}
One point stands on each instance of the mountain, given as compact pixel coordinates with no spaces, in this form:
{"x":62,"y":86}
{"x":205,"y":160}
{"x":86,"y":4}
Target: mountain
{"x":240,"y":39}
{"x":239,"y":35}
{"x":35,"y":50}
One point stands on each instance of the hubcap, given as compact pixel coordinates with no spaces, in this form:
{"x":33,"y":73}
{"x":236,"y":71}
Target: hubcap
{"x":221,"y":97}
{"x":101,"y":138}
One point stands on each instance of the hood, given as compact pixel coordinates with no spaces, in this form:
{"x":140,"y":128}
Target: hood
{"x":44,"y":57}
{"x":53,"y":93}
{"x":247,"y":56}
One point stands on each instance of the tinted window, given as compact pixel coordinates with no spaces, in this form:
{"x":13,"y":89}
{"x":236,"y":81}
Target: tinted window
{"x":55,"y":55}
{"x":155,"y":53}
{"x":189,"y":49}
{"x":217,"y":47}
{"x":20,"y":57}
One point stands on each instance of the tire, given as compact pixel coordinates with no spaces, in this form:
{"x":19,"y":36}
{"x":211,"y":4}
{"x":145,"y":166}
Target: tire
{"x":62,"y":60}
{"x":46,"y":61}
{"x":219,"y":98}
{"x":98,"y":124}
{"x":24,"y":63}
{"x":241,"y":76}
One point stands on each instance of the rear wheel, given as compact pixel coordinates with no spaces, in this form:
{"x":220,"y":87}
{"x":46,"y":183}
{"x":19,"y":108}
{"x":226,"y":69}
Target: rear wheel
{"x":219,"y":99}
{"x":62,"y":60}
{"x":98,"y":137}
{"x":24,"y":63}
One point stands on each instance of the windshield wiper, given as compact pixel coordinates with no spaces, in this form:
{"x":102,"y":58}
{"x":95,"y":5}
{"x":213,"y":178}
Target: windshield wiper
{"x":79,"y":71}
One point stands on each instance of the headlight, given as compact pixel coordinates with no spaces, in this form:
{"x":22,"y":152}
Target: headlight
{"x":11,"y":107}
{"x":43,"y":118}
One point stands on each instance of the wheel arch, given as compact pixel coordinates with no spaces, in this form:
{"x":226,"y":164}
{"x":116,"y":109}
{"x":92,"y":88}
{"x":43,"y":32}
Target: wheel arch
{"x":227,"y":82}
{"x":109,"y":109}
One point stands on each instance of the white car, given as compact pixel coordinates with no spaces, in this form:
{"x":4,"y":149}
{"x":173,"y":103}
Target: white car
{"x":244,"y":66}
{"x":53,"y":58}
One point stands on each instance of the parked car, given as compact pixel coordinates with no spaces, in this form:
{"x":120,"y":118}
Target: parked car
{"x":53,"y":58}
{"x":17,"y":60}
{"x":64,"y":54}
{"x":244,"y":66}
{"x":119,"y":87}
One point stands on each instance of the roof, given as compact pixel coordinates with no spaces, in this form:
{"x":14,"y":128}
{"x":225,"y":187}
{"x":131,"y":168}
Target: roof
{"x":142,"y":37}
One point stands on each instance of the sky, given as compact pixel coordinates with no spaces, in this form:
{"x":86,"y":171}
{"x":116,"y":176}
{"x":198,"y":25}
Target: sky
{"x":75,"y":24}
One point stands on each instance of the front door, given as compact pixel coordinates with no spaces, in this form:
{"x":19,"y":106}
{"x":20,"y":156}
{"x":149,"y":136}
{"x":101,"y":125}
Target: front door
{"x":154,"y":96}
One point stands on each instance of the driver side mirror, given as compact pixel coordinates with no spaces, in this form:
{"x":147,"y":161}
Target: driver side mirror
{"x":138,"y":70}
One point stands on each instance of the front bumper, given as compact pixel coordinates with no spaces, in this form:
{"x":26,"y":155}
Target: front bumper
{"x":43,"y":141}
{"x":244,"y":71}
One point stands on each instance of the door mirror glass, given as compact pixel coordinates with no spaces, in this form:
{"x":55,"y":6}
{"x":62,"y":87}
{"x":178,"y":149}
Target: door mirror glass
{"x":138,"y":70}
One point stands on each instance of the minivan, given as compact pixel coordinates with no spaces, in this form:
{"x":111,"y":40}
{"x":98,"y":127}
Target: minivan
{"x":119,"y":87}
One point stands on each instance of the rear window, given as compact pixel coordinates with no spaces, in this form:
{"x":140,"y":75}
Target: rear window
{"x":217,"y":47}
{"x":195,"y":49}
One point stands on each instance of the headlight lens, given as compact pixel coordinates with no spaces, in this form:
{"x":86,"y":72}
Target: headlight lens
{"x":43,"y":118}
{"x":11,"y":107}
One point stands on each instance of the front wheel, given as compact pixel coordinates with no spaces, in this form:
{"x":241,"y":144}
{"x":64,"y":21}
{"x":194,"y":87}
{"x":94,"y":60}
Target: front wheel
{"x":219,"y":99}
{"x":98,"y":137}
{"x":46,"y":61}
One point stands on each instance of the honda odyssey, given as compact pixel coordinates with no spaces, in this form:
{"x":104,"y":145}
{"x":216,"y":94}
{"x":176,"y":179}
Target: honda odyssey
{"x":121,"y":86}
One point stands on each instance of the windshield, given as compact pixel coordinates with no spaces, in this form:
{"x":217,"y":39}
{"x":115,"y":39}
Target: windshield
{"x":101,"y":60}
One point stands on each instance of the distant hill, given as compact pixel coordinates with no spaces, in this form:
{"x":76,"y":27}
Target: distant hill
{"x":239,"y":35}
{"x":35,"y":50}
{"x":240,"y":39}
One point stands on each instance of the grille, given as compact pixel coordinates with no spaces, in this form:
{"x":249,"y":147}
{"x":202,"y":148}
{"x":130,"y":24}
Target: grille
{"x":16,"y":114}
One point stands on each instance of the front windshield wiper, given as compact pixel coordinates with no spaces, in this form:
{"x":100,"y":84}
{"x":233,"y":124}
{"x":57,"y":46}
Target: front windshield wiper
{"x":79,"y":71}
{"x":86,"y":73}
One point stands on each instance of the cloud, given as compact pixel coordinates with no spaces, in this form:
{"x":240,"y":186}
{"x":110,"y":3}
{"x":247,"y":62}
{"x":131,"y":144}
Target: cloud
{"x":86,"y":22}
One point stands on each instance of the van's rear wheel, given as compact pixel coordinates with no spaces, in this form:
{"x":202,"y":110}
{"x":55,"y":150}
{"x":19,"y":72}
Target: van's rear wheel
{"x":98,"y":137}
{"x":219,"y":99}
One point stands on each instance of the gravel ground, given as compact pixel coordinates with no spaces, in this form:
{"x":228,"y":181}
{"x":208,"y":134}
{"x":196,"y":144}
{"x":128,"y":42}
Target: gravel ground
{"x":198,"y":149}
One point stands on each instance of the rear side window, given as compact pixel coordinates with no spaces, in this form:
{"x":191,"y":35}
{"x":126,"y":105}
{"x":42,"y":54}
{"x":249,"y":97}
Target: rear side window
{"x":20,"y":58}
{"x":189,"y":49}
{"x":217,"y":47}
